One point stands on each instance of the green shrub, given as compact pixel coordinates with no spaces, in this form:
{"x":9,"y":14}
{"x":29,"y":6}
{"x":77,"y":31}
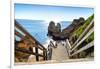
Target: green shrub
{"x":90,"y":38}
{"x":79,"y":31}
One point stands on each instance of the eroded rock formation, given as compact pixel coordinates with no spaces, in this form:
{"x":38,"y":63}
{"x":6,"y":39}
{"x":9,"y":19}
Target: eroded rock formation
{"x":57,"y":34}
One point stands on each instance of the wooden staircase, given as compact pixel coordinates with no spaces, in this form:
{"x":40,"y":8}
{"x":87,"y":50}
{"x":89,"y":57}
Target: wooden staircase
{"x":63,"y":52}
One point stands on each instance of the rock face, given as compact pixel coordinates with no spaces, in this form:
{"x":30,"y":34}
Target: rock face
{"x":57,"y":34}
{"x":54,"y":31}
{"x":51,"y":28}
{"x":75,"y":24}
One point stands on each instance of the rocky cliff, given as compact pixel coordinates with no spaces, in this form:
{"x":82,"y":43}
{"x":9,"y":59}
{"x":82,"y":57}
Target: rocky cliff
{"x":57,"y":34}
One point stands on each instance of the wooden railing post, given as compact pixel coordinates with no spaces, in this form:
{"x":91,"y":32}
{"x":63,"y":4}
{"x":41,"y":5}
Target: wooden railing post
{"x":43,"y":54}
{"x":68,"y":47}
{"x":46,"y":54}
{"x":36,"y":51}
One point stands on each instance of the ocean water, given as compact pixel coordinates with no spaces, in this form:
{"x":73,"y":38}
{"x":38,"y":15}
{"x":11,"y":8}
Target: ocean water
{"x":39,"y":28}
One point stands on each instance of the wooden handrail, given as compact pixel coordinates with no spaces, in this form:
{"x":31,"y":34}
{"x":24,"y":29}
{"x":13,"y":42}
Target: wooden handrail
{"x":88,"y":34}
{"x":32,"y":39}
{"x":84,"y":32}
{"x":83,"y":48}
{"x":68,"y":46}
{"x":24,"y":31}
{"x":21,"y":36}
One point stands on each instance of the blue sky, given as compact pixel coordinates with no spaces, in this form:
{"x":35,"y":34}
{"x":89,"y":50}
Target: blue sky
{"x":48,"y":13}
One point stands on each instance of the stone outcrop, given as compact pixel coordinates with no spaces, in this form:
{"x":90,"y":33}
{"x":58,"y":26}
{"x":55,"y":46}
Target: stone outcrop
{"x":53,"y":30}
{"x":57,"y":34}
{"x":75,"y":24}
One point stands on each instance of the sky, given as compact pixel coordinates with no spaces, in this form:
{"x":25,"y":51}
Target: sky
{"x":48,"y":13}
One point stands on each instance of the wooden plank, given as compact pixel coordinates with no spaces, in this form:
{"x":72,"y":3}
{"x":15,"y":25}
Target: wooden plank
{"x":83,"y":48}
{"x":88,"y":34}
